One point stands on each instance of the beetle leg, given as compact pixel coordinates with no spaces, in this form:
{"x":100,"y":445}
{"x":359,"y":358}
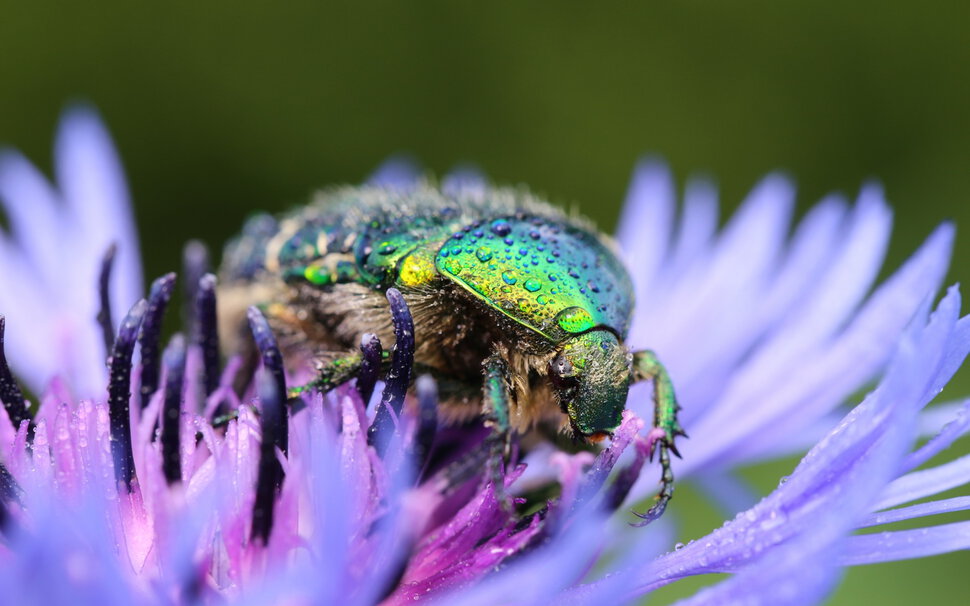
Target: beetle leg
{"x":646,"y":367}
{"x":495,"y":411}
{"x":335,"y":370}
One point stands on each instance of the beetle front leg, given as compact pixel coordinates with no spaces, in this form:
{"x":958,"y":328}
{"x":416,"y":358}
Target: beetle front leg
{"x":666,"y":427}
{"x":495,"y":411}
{"x":336,"y":370}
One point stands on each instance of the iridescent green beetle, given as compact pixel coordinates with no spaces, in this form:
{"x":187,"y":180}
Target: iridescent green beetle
{"x":511,"y":298}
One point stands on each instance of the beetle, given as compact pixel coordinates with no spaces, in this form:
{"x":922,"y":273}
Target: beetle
{"x":520,"y":310}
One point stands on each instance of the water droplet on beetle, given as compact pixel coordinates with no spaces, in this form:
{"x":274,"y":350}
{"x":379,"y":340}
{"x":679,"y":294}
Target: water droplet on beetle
{"x":532,"y":285}
{"x":501,"y":227}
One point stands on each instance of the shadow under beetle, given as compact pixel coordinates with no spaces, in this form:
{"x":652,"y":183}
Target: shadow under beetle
{"x":519,"y":311}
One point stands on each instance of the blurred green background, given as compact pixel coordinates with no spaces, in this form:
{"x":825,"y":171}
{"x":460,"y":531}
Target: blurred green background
{"x":220,"y":108}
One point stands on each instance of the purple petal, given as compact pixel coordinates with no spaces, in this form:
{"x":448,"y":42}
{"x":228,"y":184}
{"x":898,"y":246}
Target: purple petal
{"x":93,"y":185}
{"x":926,"y":482}
{"x":792,"y":576}
{"x":464,"y":181}
{"x":40,"y":281}
{"x":696,"y":228}
{"x":540,"y":576}
{"x":906,"y":544}
{"x":735,"y":276}
{"x":399,"y":173}
{"x":916,"y":511}
{"x":30,"y":344}
{"x":34,"y":211}
{"x":825,"y":379}
{"x":728,"y":491}
{"x":643,"y":231}
{"x":953,"y":430}
{"x":832,"y":486}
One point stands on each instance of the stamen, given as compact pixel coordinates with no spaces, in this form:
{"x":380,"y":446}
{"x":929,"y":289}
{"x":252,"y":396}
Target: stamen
{"x":174,"y":361}
{"x":119,"y":394}
{"x":10,"y":492}
{"x":272,"y":363}
{"x":10,"y":394}
{"x":595,"y":477}
{"x":104,"y":313}
{"x":195,"y":264}
{"x":206,"y":331}
{"x":427,"y":421}
{"x":270,"y":475}
{"x":399,"y":376}
{"x":626,"y":478}
{"x":370,"y":365}
{"x":151,"y":329}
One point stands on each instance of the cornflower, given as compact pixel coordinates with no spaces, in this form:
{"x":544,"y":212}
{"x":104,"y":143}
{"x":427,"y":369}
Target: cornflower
{"x":150,"y":480}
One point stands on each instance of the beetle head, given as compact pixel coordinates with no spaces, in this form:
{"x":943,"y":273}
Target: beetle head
{"x":591,"y":376}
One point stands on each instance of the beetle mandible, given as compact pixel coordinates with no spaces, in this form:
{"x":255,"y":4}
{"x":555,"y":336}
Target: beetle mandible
{"x":520,"y":311}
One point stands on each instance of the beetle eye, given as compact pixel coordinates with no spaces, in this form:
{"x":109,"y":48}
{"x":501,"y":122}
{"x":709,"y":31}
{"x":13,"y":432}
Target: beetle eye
{"x":560,"y":366}
{"x":561,"y":372}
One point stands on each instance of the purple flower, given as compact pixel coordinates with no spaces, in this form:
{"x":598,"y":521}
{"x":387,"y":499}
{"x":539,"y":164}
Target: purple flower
{"x":153,"y":482}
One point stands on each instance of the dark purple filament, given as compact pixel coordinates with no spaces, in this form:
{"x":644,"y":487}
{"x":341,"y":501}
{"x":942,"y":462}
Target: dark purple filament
{"x":270,"y":474}
{"x":174,"y":361}
{"x":206,"y":331}
{"x":399,"y":376}
{"x":370,"y":365}
{"x":119,"y":394}
{"x":272,"y":364}
{"x":104,"y":313}
{"x":10,"y":394}
{"x":195,"y":264}
{"x":150,"y":336}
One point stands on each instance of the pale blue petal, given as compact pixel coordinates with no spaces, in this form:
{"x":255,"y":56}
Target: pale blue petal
{"x":68,"y":557}
{"x":808,"y":254}
{"x":790,"y":577}
{"x":714,"y":324}
{"x":831,"y":488}
{"x":29,"y":311}
{"x":696,"y":232}
{"x":464,"y":181}
{"x":906,"y":544}
{"x":399,"y":172}
{"x":916,"y":511}
{"x":635,"y":551}
{"x":953,"y":430}
{"x":697,"y":226}
{"x":826,"y":379}
{"x":822,"y":304}
{"x":35,"y":214}
{"x":728,"y":491}
{"x":643,"y":231}
{"x":537,"y":578}
{"x":92,"y":182}
{"x":925,"y":482}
